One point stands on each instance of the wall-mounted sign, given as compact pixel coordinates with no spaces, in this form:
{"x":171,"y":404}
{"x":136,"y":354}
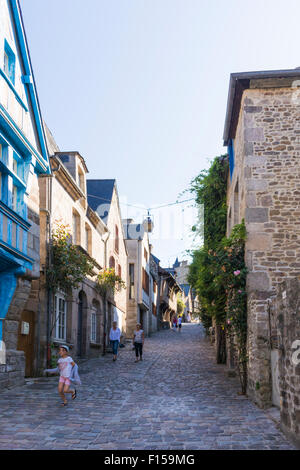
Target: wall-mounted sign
{"x":25,"y":328}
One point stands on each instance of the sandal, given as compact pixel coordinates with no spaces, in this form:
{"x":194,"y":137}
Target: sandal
{"x":74,"y":395}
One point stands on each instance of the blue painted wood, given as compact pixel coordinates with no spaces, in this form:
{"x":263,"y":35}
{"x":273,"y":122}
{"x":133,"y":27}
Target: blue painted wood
{"x":12,"y":87}
{"x":231,"y":157}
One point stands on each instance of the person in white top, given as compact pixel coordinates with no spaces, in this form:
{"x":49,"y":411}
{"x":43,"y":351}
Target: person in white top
{"x":65,"y":364}
{"x":115,"y":336}
{"x":138,"y":341}
{"x":179,"y":323}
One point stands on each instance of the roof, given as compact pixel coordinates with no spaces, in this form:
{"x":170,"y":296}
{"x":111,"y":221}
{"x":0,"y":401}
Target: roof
{"x":99,"y":195}
{"x":134,"y":231}
{"x":170,"y":270}
{"x":186,"y":289}
{"x":176,"y":264}
{"x":156,"y":260}
{"x":239,"y":82}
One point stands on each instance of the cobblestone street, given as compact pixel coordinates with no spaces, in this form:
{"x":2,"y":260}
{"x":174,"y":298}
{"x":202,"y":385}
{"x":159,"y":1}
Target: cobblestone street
{"x":177,"y":398}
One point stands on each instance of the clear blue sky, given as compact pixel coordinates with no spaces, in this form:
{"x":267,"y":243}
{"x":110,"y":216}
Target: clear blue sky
{"x":139,"y":87}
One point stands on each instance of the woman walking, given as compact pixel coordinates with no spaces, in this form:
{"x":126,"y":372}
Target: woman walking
{"x":138,"y":341}
{"x":115,"y":336}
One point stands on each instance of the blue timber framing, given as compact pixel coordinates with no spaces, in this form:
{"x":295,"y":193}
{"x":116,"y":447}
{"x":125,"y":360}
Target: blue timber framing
{"x":20,"y":159}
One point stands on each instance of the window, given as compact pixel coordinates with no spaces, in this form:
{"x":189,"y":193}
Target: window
{"x":145,"y":255}
{"x":145,"y":281}
{"x":14,"y":198}
{"x":112,"y":263}
{"x":88,"y":239}
{"x":76,"y":229}
{"x":60,"y":317}
{"x":119,"y":271}
{"x":9,"y":62}
{"x":131,"y":281}
{"x":94,"y":325}
{"x":116,"y":239}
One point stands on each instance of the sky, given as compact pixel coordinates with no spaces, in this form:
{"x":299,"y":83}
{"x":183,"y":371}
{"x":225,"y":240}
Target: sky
{"x":139,"y":88}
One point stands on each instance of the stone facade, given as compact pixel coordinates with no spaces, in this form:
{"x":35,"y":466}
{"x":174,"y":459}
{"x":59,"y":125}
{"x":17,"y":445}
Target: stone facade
{"x":264,"y":189}
{"x":64,"y":201}
{"x":139,"y":298}
{"x":286,"y":337}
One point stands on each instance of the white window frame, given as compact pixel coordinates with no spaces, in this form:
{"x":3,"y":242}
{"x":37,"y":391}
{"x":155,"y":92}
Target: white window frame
{"x":60,"y":317}
{"x":94,"y":325}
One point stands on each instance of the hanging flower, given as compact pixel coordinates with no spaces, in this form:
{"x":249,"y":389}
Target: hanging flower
{"x":237,"y":273}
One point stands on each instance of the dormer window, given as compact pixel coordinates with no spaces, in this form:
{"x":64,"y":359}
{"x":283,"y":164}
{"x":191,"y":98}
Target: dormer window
{"x":9,"y":62}
{"x":81,"y":182}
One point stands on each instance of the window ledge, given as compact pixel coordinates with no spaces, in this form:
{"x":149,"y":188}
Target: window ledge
{"x":95,"y":345}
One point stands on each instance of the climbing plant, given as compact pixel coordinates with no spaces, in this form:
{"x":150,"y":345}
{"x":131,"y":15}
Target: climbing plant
{"x":180,"y":305}
{"x":230,"y":274}
{"x":108,"y":281}
{"x":210,"y":188}
{"x":68,"y":265}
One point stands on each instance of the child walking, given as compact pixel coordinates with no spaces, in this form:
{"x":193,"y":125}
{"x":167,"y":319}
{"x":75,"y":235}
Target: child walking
{"x":65,"y":365}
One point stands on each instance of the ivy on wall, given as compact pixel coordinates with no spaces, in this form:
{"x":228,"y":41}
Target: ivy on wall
{"x":218,"y":271}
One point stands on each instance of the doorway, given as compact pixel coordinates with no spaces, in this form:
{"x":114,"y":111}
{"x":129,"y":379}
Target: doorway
{"x":26,"y":340}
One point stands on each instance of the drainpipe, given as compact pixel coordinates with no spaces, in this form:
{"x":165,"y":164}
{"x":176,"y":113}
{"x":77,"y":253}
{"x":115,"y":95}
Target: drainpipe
{"x":105,"y":240}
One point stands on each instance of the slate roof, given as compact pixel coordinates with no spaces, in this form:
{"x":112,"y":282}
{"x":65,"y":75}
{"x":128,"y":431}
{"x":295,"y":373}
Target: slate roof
{"x":156,"y":260}
{"x":185,"y":288}
{"x":99,"y":195}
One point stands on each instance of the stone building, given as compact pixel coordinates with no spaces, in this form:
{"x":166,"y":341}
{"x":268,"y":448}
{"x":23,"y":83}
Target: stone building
{"x":104,"y":200}
{"x":23,"y":158}
{"x":139,"y":296}
{"x":168,"y":290}
{"x":262,"y":132}
{"x":285,"y":341}
{"x":76,"y":318}
{"x":188,"y":301}
{"x":154,"y":292}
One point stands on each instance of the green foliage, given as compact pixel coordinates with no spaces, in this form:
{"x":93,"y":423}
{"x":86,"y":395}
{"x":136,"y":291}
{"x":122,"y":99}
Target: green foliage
{"x":209,"y":188}
{"x":69,"y":266}
{"x":231,"y":274}
{"x":180,"y":305}
{"x":218,"y":271}
{"x":108,"y":281}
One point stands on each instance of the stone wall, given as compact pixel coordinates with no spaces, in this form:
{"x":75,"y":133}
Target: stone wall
{"x":287,"y":320}
{"x":13,"y":372}
{"x":265,"y":190}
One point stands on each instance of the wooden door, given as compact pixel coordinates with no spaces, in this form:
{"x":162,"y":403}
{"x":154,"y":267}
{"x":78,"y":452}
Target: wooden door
{"x":26,"y":340}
